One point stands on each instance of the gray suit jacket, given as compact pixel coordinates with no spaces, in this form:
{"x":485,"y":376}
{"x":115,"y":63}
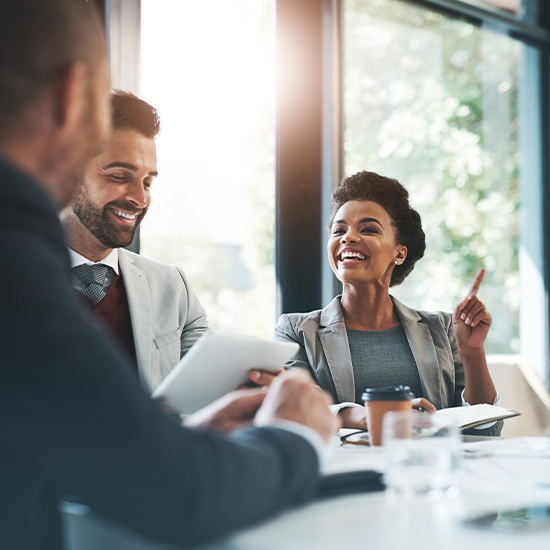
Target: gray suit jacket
{"x":167,"y":317}
{"x":324,"y":351}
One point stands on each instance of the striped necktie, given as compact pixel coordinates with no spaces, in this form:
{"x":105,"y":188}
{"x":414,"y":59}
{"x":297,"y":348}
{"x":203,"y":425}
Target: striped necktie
{"x":93,"y":279}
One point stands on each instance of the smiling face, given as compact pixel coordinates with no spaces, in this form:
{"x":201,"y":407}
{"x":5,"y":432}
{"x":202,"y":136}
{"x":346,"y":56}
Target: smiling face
{"x":115,"y":193}
{"x":362,"y":247}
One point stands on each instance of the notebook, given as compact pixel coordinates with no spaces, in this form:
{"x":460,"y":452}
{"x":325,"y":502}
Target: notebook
{"x":475,"y":415}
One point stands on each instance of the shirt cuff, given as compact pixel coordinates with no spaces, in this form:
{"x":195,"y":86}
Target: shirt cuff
{"x":335,"y":409}
{"x":487,"y":424}
{"x":307,"y":433}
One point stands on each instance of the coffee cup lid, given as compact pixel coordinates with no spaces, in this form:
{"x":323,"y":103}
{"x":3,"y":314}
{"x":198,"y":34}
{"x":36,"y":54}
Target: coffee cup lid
{"x":389,"y":393}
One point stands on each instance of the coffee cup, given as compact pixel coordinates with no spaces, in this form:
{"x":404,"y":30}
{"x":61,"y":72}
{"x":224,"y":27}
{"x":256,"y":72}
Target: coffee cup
{"x":379,"y":401}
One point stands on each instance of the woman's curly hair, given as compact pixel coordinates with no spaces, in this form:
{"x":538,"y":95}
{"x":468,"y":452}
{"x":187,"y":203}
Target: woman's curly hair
{"x":394,"y":198}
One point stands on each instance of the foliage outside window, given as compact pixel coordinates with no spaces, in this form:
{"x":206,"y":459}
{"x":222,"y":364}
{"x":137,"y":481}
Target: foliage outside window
{"x":433,"y":102}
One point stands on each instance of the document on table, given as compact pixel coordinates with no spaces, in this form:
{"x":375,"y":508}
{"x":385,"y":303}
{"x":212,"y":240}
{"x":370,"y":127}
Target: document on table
{"x":521,"y":447}
{"x":493,"y":466}
{"x":469,"y":417}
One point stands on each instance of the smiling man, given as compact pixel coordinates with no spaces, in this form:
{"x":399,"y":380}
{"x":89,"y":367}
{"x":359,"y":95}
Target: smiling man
{"x":148,"y":306}
{"x":74,"y":421}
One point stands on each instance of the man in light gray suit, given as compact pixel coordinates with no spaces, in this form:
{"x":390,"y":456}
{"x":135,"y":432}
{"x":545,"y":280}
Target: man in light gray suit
{"x":149,"y":307}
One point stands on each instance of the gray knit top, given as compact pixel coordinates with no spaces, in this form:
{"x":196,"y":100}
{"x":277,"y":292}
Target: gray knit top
{"x":382,"y":358}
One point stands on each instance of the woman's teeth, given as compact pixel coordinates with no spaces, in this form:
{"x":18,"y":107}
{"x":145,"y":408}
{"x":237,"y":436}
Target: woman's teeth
{"x":351,"y":256}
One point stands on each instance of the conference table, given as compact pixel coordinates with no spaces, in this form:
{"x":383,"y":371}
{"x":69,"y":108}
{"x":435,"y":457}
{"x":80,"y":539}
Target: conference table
{"x":494,"y":474}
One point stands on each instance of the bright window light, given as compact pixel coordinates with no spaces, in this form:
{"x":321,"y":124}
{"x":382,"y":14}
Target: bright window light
{"x":209,"y":68}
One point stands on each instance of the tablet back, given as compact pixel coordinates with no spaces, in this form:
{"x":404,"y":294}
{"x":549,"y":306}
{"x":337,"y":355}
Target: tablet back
{"x":217,"y":364}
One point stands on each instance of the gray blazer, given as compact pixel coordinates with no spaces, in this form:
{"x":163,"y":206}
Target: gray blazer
{"x":324,"y":351}
{"x":167,"y":317}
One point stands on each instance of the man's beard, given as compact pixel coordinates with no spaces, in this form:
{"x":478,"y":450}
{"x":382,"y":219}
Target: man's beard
{"x":98,"y":222}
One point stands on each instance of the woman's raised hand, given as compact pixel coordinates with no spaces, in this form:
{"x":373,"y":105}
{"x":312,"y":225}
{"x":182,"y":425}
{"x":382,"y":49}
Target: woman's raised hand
{"x":472,"y":321}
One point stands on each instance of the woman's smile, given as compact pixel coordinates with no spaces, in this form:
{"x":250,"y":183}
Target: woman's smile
{"x":351,"y":256}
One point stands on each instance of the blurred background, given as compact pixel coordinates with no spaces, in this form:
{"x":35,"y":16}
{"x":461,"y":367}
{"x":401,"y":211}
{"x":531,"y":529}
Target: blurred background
{"x":213,"y":209}
{"x":267,"y":104}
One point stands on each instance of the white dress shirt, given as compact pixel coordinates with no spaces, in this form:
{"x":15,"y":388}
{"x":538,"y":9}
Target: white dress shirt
{"x":111,"y":260}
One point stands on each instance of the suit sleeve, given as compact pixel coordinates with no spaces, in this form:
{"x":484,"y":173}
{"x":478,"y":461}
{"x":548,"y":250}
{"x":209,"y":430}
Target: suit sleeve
{"x":458,"y":366}
{"x":196,"y":322}
{"x":70,"y":407}
{"x":285,"y":331}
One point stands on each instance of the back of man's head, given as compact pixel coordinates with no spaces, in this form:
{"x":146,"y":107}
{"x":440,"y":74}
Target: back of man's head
{"x":129,"y":112}
{"x":39,"y":39}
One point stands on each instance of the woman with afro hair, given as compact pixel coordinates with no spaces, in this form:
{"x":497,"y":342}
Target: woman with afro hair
{"x":366,"y":337}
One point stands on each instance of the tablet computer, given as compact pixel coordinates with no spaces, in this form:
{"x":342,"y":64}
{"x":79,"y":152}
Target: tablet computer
{"x":217,"y":364}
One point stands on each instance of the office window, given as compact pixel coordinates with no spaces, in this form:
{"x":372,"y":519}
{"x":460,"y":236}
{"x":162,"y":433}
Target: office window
{"x":436,"y":103}
{"x":209,"y":68}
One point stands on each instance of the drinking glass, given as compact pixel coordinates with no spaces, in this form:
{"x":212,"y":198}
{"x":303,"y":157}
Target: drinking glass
{"x":421,"y":452}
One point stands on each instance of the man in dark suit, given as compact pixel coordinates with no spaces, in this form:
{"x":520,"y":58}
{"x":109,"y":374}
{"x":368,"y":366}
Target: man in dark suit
{"x":73,"y":418}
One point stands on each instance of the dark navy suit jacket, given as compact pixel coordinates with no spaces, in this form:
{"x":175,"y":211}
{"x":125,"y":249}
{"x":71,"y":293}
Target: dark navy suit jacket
{"x":73,"y":419}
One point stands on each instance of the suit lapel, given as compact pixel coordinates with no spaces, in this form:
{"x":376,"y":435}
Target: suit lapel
{"x":334,"y":339}
{"x":139,"y":302}
{"x":424,"y":352}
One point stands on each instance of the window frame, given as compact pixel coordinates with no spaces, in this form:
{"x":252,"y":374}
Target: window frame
{"x":325,"y":167}
{"x":309,"y":126}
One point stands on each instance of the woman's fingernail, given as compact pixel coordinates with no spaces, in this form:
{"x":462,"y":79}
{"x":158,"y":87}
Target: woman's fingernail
{"x":256,"y":375}
{"x":463,"y":316}
{"x":467,"y":321}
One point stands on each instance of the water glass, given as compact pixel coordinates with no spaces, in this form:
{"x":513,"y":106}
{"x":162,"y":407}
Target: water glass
{"x":421,"y":452}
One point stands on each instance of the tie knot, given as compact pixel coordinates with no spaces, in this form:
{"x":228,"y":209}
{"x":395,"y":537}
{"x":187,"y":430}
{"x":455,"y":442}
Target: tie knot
{"x":89,"y":274}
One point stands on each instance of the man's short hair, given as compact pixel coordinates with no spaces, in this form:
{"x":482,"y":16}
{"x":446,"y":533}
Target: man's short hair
{"x":39,"y":39}
{"x":129,"y":112}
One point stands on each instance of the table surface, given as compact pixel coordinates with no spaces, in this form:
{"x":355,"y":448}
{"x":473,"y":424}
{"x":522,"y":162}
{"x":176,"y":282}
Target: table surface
{"x":502,"y":474}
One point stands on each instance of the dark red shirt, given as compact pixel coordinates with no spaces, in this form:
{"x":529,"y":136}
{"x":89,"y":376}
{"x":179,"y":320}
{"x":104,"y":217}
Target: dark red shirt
{"x":114,"y":313}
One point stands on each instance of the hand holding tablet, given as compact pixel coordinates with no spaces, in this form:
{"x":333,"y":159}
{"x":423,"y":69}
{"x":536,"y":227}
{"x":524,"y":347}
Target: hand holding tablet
{"x":216,"y":365}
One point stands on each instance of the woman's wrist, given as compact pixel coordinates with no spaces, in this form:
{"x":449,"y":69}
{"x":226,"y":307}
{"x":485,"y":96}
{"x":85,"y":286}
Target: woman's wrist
{"x":478,"y":386}
{"x":471,"y":354}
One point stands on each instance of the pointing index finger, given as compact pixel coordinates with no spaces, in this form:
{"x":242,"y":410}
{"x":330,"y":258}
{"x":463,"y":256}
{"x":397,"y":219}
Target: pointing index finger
{"x":477,"y":283}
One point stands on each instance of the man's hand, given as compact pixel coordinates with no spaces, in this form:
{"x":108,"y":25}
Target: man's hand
{"x":232,"y":411}
{"x":294,"y":396}
{"x":260,"y":377}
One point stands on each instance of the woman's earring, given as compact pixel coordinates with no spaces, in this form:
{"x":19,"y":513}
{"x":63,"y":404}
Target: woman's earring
{"x":395,"y":262}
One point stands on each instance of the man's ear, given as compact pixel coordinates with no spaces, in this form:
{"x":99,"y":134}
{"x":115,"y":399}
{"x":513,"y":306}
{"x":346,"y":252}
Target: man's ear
{"x":401,"y":255}
{"x":69,"y":99}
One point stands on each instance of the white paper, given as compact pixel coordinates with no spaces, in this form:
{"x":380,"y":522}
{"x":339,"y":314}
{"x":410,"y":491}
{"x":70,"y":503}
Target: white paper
{"x":464,"y":416}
